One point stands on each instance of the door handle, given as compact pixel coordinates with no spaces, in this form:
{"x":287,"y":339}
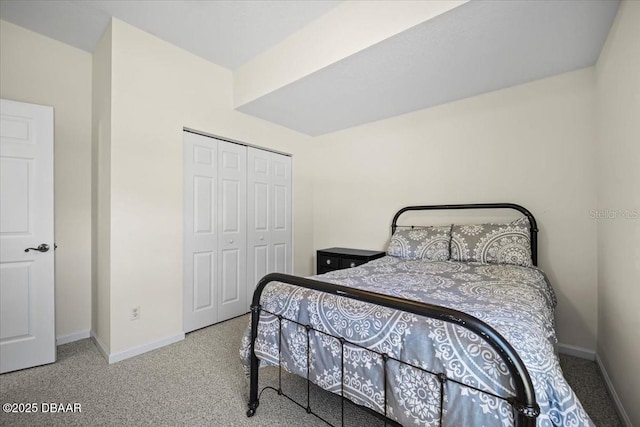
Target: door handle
{"x":41,"y":248}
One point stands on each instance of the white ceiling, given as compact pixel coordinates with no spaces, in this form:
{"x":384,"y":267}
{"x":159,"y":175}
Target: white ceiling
{"x":227,"y":33}
{"x":473,"y":49}
{"x":481,"y":46}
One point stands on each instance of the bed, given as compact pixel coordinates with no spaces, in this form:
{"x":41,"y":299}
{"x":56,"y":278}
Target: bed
{"x":453,"y":327}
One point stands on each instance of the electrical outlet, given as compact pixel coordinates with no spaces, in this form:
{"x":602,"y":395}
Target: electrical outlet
{"x":135,"y":313}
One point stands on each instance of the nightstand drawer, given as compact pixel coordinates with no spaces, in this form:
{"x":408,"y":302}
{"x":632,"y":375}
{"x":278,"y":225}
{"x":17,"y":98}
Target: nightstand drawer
{"x":350,"y":262}
{"x":338,"y":258}
{"x":329,"y":262}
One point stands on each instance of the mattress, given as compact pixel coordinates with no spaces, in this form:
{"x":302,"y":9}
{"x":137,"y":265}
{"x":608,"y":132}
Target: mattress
{"x":516,"y":301}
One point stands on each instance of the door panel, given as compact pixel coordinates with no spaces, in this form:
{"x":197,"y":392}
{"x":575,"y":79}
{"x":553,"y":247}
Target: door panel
{"x":27,"y":312}
{"x":230,"y":276}
{"x":204,"y":195}
{"x":17,"y":303}
{"x":259,"y":256}
{"x":203,"y":280}
{"x":280,"y":208}
{"x":281,"y":264}
{"x":259,"y":267}
{"x":232,"y":238}
{"x":282,"y":235}
{"x":260,"y":207}
{"x":200,"y":236}
{"x":269,"y":237}
{"x":230,"y":206}
{"x":14,"y":211}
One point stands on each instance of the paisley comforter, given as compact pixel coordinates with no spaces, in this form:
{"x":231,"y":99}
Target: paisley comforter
{"x":516,"y":301}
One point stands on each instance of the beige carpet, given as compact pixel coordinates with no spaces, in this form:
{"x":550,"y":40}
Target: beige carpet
{"x":199,"y":382}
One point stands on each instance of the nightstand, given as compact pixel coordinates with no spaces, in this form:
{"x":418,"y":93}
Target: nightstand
{"x":338,"y":258}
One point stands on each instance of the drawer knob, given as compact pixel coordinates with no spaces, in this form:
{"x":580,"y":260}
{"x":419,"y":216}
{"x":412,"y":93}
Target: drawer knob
{"x":230,"y":240}
{"x":328,"y":261}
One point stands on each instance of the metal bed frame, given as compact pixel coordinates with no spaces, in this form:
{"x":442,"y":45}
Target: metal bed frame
{"x":525,"y":408}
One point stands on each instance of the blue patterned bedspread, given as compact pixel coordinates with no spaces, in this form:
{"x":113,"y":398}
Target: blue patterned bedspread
{"x":516,"y":301}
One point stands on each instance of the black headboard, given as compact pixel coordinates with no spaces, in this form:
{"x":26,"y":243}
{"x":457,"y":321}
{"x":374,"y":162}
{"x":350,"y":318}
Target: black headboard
{"x":532,"y":221}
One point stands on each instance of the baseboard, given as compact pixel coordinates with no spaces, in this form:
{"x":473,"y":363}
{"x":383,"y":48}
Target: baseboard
{"x":612,"y":392}
{"x":66,"y":339}
{"x":144,"y":348}
{"x":101,"y":348}
{"x":572,"y":350}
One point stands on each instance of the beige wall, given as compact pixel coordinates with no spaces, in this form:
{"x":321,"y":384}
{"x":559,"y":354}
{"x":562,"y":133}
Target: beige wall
{"x":532,"y":144}
{"x":618,"y":100}
{"x":156,"y":90}
{"x":101,"y":193}
{"x":39,"y":70}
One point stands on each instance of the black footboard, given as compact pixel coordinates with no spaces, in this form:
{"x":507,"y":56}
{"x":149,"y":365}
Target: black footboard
{"x":523,"y":403}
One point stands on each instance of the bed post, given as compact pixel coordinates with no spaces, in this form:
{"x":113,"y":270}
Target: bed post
{"x":253,"y":390}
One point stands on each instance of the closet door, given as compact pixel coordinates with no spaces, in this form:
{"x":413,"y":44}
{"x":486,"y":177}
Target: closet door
{"x":237,"y":226}
{"x":268,"y":216}
{"x":232,"y":230}
{"x":281,"y":234}
{"x":259,"y":255}
{"x":200,"y":263}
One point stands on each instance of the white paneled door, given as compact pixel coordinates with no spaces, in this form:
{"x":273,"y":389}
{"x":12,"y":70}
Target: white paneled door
{"x":281,"y":230}
{"x":237,"y":225}
{"x":259,"y":217}
{"x":269,"y":215}
{"x":215,"y":231}
{"x":27,"y":317}
{"x":232,"y":226}
{"x":200,"y":262}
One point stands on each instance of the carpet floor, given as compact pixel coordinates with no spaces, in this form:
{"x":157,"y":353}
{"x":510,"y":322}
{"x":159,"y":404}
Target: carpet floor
{"x":199,"y":382}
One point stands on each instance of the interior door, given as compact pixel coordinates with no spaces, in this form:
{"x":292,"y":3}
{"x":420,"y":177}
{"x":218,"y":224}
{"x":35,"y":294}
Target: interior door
{"x":259,"y":218}
{"x":232,"y":230}
{"x":27,"y":316}
{"x":200,"y":261}
{"x":268,"y":216}
{"x":281,"y":235}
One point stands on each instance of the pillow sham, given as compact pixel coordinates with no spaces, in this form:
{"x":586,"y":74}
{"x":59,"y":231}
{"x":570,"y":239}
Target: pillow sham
{"x":431,"y":243}
{"x":492,"y":243}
